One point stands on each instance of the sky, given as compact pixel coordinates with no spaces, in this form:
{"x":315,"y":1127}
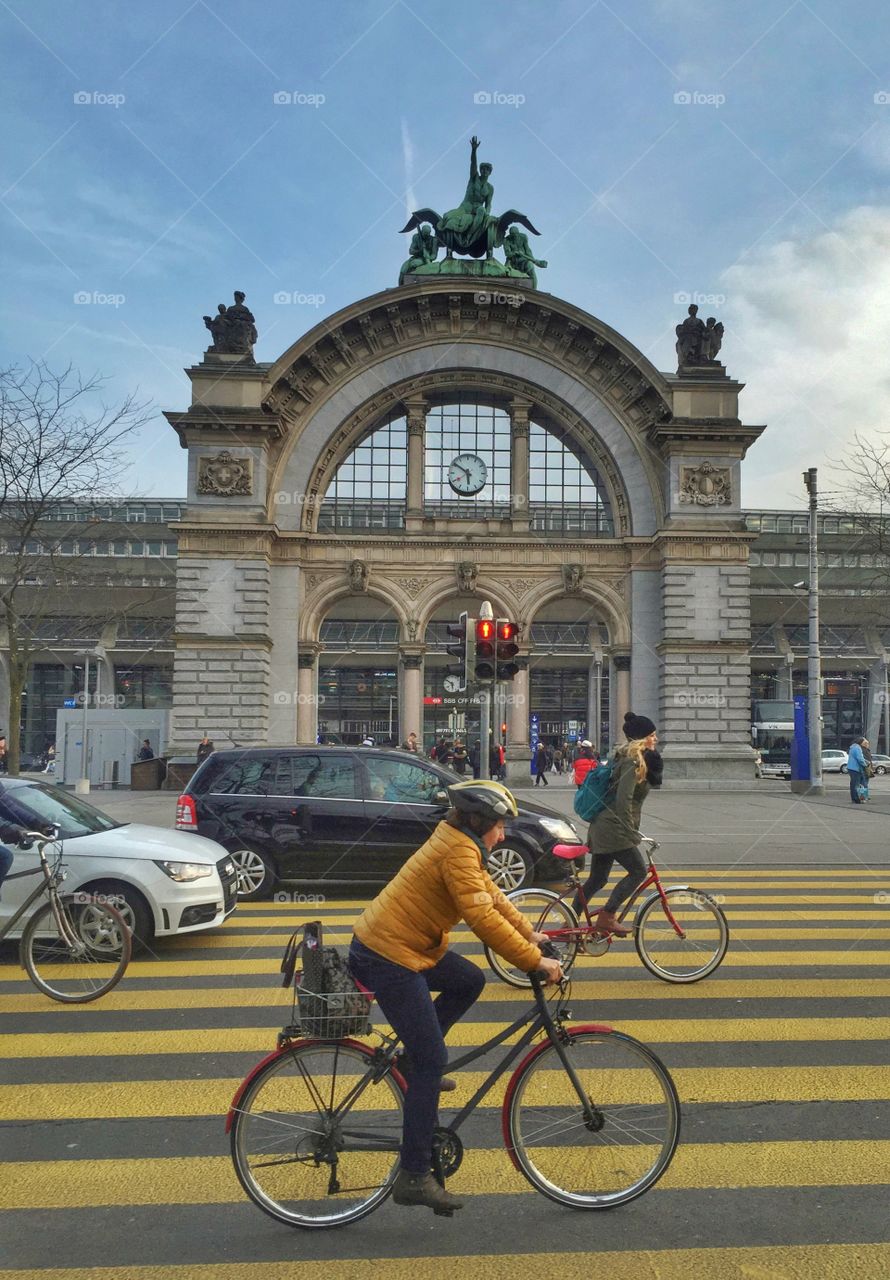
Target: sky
{"x":157,"y":157}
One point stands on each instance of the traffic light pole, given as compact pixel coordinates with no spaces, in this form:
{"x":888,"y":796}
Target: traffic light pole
{"x":485,"y":612}
{"x":814,"y":656}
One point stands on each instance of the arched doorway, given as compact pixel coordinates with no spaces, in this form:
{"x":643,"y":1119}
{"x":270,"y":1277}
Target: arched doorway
{"x":358,"y":672}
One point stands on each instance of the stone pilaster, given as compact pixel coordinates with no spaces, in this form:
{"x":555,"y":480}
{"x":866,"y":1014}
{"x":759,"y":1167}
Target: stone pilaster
{"x":415,"y":411}
{"x":620,"y":702}
{"x":518,"y":749}
{"x":307,"y":695}
{"x":411,"y":700}
{"x":519,"y":477}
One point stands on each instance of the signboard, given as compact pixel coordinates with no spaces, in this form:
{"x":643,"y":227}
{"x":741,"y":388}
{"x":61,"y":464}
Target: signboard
{"x":800,"y":746}
{"x":534,"y":737}
{"x":70,"y":703}
{"x":432,"y":702}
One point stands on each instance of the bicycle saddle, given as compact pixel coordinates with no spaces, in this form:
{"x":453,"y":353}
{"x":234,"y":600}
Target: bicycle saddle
{"x":569,"y":851}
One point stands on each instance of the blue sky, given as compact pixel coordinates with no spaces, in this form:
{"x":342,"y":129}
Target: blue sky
{"x":181,"y":179}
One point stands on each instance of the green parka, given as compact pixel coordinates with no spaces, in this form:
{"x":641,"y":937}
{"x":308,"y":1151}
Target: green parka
{"x":617,"y":827}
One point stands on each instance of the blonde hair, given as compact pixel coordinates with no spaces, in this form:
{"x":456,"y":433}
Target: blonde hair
{"x":634,"y":748}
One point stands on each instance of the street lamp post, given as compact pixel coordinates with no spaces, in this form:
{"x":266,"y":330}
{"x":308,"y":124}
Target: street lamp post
{"x":814,"y":657}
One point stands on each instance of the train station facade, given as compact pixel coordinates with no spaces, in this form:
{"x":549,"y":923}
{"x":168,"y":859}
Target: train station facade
{"x":437,"y":445}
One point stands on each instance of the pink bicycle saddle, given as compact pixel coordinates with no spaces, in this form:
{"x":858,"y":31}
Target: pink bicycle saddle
{"x":569,"y":851}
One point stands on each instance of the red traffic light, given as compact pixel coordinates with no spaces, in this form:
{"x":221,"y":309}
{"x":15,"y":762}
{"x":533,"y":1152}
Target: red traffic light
{"x":484,"y":629}
{"x":506,"y":630}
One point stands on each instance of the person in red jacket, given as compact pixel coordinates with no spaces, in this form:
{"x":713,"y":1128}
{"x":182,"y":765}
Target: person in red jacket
{"x":586,"y":761}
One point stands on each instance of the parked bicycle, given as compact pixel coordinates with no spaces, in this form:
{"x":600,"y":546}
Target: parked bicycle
{"x":681,"y":933}
{"x":591,"y":1117}
{"x":75,"y":947}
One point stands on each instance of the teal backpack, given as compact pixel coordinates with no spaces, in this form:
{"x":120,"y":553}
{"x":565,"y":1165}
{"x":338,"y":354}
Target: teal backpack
{"x":592,"y":797}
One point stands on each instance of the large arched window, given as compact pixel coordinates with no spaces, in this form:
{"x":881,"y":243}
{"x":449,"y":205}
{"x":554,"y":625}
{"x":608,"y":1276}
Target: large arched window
{"x":369,"y":488}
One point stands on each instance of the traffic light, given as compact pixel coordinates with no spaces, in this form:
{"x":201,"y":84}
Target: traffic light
{"x":507,"y":649}
{"x":462,"y":634}
{"x":485,"y":651}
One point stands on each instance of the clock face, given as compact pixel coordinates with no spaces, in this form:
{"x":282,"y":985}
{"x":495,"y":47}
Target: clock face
{"x":467,"y":474}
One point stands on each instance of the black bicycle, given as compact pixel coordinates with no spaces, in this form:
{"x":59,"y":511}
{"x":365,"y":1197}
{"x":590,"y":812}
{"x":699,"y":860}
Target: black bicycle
{"x":77,"y":946}
{"x":590,"y":1116}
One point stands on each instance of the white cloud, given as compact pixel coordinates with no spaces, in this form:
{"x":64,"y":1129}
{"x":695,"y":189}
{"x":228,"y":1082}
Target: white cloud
{"x":808,"y":330}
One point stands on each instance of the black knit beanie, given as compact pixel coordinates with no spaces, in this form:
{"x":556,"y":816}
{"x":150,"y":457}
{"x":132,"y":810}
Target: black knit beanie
{"x":637,"y":726}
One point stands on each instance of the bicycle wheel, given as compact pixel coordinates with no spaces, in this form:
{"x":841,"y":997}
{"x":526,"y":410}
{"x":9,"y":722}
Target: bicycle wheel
{"x":544,"y":910}
{"x":705,"y":936}
{"x":84,"y":958}
{"x":635,"y":1129}
{"x":305,"y":1149}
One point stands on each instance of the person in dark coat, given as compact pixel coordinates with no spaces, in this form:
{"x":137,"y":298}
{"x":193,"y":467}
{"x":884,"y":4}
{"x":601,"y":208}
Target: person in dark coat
{"x":476,"y":757}
{"x":205,"y":748}
{"x":614,"y":834}
{"x":541,"y":765}
{"x":460,"y":758}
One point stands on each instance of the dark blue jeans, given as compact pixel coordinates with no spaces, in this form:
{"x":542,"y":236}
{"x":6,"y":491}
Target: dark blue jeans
{"x":857,"y":778}
{"x":634,"y":864}
{"x":6,"y":861}
{"x":421,"y":1025}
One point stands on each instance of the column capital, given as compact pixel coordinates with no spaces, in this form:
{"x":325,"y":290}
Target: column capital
{"x":411,"y":660}
{"x":621,"y":661}
{"x":305,"y":661}
{"x":415,"y":413}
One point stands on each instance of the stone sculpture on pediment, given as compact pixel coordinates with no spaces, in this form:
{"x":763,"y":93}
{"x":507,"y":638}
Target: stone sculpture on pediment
{"x":233,"y":328}
{"x":467,"y":573}
{"x":572,"y":577}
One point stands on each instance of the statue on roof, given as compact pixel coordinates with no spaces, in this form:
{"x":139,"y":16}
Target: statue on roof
{"x":233,"y":328}
{"x":472,"y":229}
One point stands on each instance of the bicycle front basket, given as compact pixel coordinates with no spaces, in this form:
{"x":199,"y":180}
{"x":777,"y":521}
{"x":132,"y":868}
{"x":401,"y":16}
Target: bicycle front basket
{"x":330,"y":1003}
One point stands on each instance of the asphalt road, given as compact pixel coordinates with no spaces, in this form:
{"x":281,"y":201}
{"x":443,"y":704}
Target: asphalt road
{"x":114,"y":1163}
{"x":765,"y":825}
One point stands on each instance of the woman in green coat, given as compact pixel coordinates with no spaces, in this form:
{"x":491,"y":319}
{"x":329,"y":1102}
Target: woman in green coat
{"x":614,"y":834}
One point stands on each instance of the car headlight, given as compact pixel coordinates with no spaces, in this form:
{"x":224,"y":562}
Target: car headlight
{"x":185,"y":871}
{"x":563,"y":832}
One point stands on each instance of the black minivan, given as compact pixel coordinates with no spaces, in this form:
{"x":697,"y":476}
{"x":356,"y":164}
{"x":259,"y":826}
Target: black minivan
{"x":344,"y":815}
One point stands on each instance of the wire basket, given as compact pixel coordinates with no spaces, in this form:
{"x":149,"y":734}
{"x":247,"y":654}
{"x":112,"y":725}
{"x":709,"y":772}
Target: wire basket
{"x":332,"y":1015}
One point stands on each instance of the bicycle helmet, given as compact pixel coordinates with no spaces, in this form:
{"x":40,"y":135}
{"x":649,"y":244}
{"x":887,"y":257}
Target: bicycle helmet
{"x":491,"y":799}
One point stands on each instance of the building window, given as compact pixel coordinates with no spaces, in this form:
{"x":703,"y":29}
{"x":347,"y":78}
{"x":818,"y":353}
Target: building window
{"x":369,"y":489}
{"x":467,"y":427}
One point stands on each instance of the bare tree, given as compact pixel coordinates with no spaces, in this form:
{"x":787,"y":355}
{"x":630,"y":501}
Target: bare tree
{"x":864,"y":494}
{"x":59,"y":443}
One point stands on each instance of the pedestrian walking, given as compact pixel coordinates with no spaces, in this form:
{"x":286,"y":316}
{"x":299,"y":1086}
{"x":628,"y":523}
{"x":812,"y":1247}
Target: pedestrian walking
{"x":614,"y":834}
{"x":460,"y":758}
{"x":476,"y":758}
{"x":205,"y":748}
{"x":585,"y":761}
{"x":541,"y":765}
{"x":857,"y":768}
{"x":411,"y":744}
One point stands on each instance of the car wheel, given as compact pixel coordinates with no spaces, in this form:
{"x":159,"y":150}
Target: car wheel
{"x":843,"y":768}
{"x":510,"y":867}
{"x":879,"y":768}
{"x":256,"y":875}
{"x":132,"y":906}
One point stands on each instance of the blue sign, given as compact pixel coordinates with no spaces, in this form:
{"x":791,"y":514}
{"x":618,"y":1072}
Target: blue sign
{"x":70,"y":703}
{"x":534,"y":738}
{"x":800,"y":745}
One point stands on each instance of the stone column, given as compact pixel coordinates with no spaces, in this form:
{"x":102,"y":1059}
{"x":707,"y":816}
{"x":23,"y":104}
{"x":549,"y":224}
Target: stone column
{"x":595,"y":699}
{"x":518,"y":750}
{"x":621,"y":694}
{"x":519,"y":425}
{"x":416,"y":416}
{"x":411,"y":701}
{"x":785,"y":678}
{"x":307,"y":696}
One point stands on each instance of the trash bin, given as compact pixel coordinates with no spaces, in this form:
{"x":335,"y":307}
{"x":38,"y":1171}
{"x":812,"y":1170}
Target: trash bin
{"x":147,"y":775}
{"x":179,"y":772}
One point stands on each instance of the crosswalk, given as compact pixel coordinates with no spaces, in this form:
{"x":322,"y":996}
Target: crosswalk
{"x":114,"y":1162}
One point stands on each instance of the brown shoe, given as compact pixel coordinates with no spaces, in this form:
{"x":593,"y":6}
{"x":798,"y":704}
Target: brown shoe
{"x":422,"y":1188}
{"x":446,"y":1085}
{"x":607,"y":922}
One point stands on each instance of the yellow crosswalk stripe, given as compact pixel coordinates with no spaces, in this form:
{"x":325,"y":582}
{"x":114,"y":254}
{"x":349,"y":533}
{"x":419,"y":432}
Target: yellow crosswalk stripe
{"x":130,"y":1099}
{"x":773,"y":1262}
{"x":76,"y":1184}
{"x":126,"y":999}
{"x":261,"y":1039}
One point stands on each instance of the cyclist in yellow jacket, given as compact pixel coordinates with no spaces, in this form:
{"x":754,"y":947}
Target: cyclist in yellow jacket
{"x":400,"y":952}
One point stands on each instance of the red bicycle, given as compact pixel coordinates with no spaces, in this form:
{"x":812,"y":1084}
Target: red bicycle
{"x":681,"y":934}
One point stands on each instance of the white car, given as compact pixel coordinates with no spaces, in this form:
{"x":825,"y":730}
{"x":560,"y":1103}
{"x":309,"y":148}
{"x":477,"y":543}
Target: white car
{"x":169,"y":882}
{"x":834,"y":761}
{"x":881,"y":763}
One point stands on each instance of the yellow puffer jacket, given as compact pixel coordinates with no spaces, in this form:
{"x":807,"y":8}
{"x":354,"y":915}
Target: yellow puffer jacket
{"x":442,"y":883}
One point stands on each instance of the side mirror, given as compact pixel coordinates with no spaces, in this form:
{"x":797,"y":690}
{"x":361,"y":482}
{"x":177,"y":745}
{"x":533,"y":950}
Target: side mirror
{"x":440,"y":797}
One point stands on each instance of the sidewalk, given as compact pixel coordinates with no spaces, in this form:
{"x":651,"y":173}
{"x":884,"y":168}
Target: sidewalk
{"x":766,"y":826}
